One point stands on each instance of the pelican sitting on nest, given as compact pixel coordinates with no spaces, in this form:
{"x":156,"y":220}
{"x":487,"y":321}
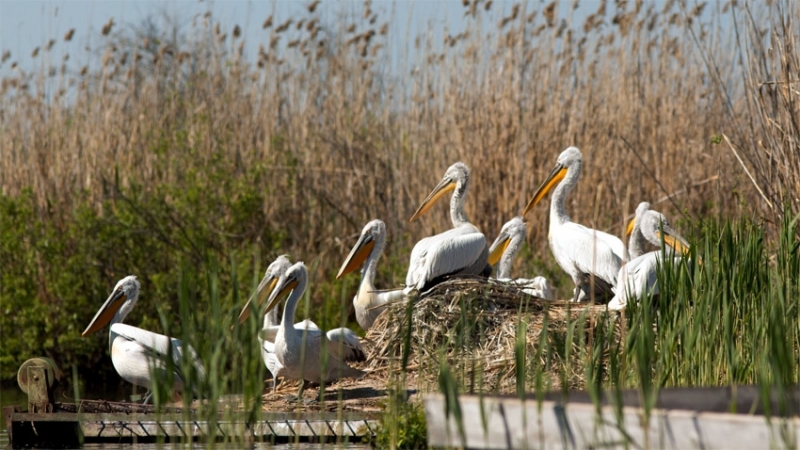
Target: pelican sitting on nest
{"x":583,"y":253}
{"x":266,"y":338}
{"x":505,"y":249}
{"x":639,"y":277}
{"x":368,"y":302}
{"x":461,"y":250}
{"x":138,"y":354}
{"x":301,"y":351}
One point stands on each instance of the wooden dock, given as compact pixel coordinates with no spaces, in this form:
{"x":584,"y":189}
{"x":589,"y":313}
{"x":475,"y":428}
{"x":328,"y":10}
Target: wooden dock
{"x":72,"y":429}
{"x":681,"y":419}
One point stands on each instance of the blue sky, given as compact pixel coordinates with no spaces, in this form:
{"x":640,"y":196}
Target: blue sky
{"x":27,"y":24}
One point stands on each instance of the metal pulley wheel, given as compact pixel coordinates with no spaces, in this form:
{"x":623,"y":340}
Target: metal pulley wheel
{"x":49,"y":368}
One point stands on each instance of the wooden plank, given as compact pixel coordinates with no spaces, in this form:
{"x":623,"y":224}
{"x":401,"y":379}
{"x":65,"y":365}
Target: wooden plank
{"x":492,"y":422}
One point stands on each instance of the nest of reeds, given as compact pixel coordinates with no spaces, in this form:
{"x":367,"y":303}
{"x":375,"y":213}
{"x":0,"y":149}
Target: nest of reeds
{"x":477,"y":328}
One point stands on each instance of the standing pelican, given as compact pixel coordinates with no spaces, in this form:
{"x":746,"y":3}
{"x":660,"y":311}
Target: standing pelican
{"x":639,"y":277}
{"x":368,"y":302}
{"x":505,"y":249}
{"x":265,"y":287}
{"x":582,"y":252}
{"x":138,"y":354}
{"x":301,"y":351}
{"x":461,"y":250}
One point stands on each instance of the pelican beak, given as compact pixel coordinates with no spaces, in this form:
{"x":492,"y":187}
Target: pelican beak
{"x":674,"y":240}
{"x":357,"y":255}
{"x":498,"y":248}
{"x":631,"y":224}
{"x":284,"y":287}
{"x":106,"y":312}
{"x":443,"y":188}
{"x":265,"y":288}
{"x":557,"y":174}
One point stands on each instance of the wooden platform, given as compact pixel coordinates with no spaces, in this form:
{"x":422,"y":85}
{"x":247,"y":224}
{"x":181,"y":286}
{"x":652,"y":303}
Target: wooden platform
{"x":72,"y":429}
{"x":706,"y":420}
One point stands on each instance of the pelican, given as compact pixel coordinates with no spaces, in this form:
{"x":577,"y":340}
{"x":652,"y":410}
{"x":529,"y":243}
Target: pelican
{"x":637,"y":241}
{"x":505,"y":249}
{"x":139,"y":354}
{"x":266,"y":336}
{"x":639,"y":277}
{"x":368,"y":302}
{"x":461,"y":250}
{"x":582,"y":252}
{"x":301,"y":351}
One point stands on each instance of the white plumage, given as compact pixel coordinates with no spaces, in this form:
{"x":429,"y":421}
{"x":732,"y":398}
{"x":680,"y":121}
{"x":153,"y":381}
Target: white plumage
{"x":503,"y":251}
{"x":368,"y":302}
{"x":582,"y":252}
{"x":301,"y":351}
{"x":461,"y":250}
{"x":639,"y":277}
{"x":137,"y":354}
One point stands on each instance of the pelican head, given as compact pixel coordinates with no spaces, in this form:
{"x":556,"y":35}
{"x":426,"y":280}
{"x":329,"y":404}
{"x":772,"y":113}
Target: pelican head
{"x":266,"y":286}
{"x":374,"y":232}
{"x":654,"y":223}
{"x":122,"y":299}
{"x":514,"y":228}
{"x":640,"y":210}
{"x":294,"y":277}
{"x":456,"y":178}
{"x":569,"y":159}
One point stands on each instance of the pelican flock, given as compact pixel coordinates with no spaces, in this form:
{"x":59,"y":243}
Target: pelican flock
{"x":139,"y":354}
{"x":588,"y":256}
{"x":502,"y":253}
{"x":462,"y":250}
{"x":369,"y":303}
{"x":599,"y":264}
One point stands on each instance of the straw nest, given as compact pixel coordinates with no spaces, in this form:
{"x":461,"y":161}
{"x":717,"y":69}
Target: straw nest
{"x":471,"y":324}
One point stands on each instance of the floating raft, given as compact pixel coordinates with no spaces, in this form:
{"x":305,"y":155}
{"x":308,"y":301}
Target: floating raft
{"x":706,"y":418}
{"x":71,"y":425}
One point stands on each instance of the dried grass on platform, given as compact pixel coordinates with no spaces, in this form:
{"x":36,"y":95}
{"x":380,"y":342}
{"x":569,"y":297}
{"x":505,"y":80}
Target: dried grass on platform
{"x":472,"y":325}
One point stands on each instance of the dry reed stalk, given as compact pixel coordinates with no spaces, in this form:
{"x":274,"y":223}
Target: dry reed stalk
{"x":337,"y":141}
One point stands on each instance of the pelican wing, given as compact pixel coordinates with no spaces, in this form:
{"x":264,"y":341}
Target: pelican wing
{"x":269,"y":357}
{"x":268,"y":333}
{"x":574,"y":244}
{"x":459,"y":250}
{"x":158,"y":347}
{"x":344,"y":343}
{"x":617,"y":246}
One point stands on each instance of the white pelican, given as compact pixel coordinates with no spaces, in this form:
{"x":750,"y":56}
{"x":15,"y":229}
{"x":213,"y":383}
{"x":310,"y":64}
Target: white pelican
{"x":300,"y":351}
{"x":505,"y":249}
{"x":136,"y":353}
{"x":582,"y":252}
{"x":639,"y":277}
{"x":265,"y":287}
{"x":368,"y":302}
{"x":461,"y":250}
{"x":637,"y":241}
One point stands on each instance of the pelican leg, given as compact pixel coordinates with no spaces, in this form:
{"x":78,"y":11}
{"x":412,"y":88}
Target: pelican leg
{"x":275,"y":384}
{"x":147,"y":397}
